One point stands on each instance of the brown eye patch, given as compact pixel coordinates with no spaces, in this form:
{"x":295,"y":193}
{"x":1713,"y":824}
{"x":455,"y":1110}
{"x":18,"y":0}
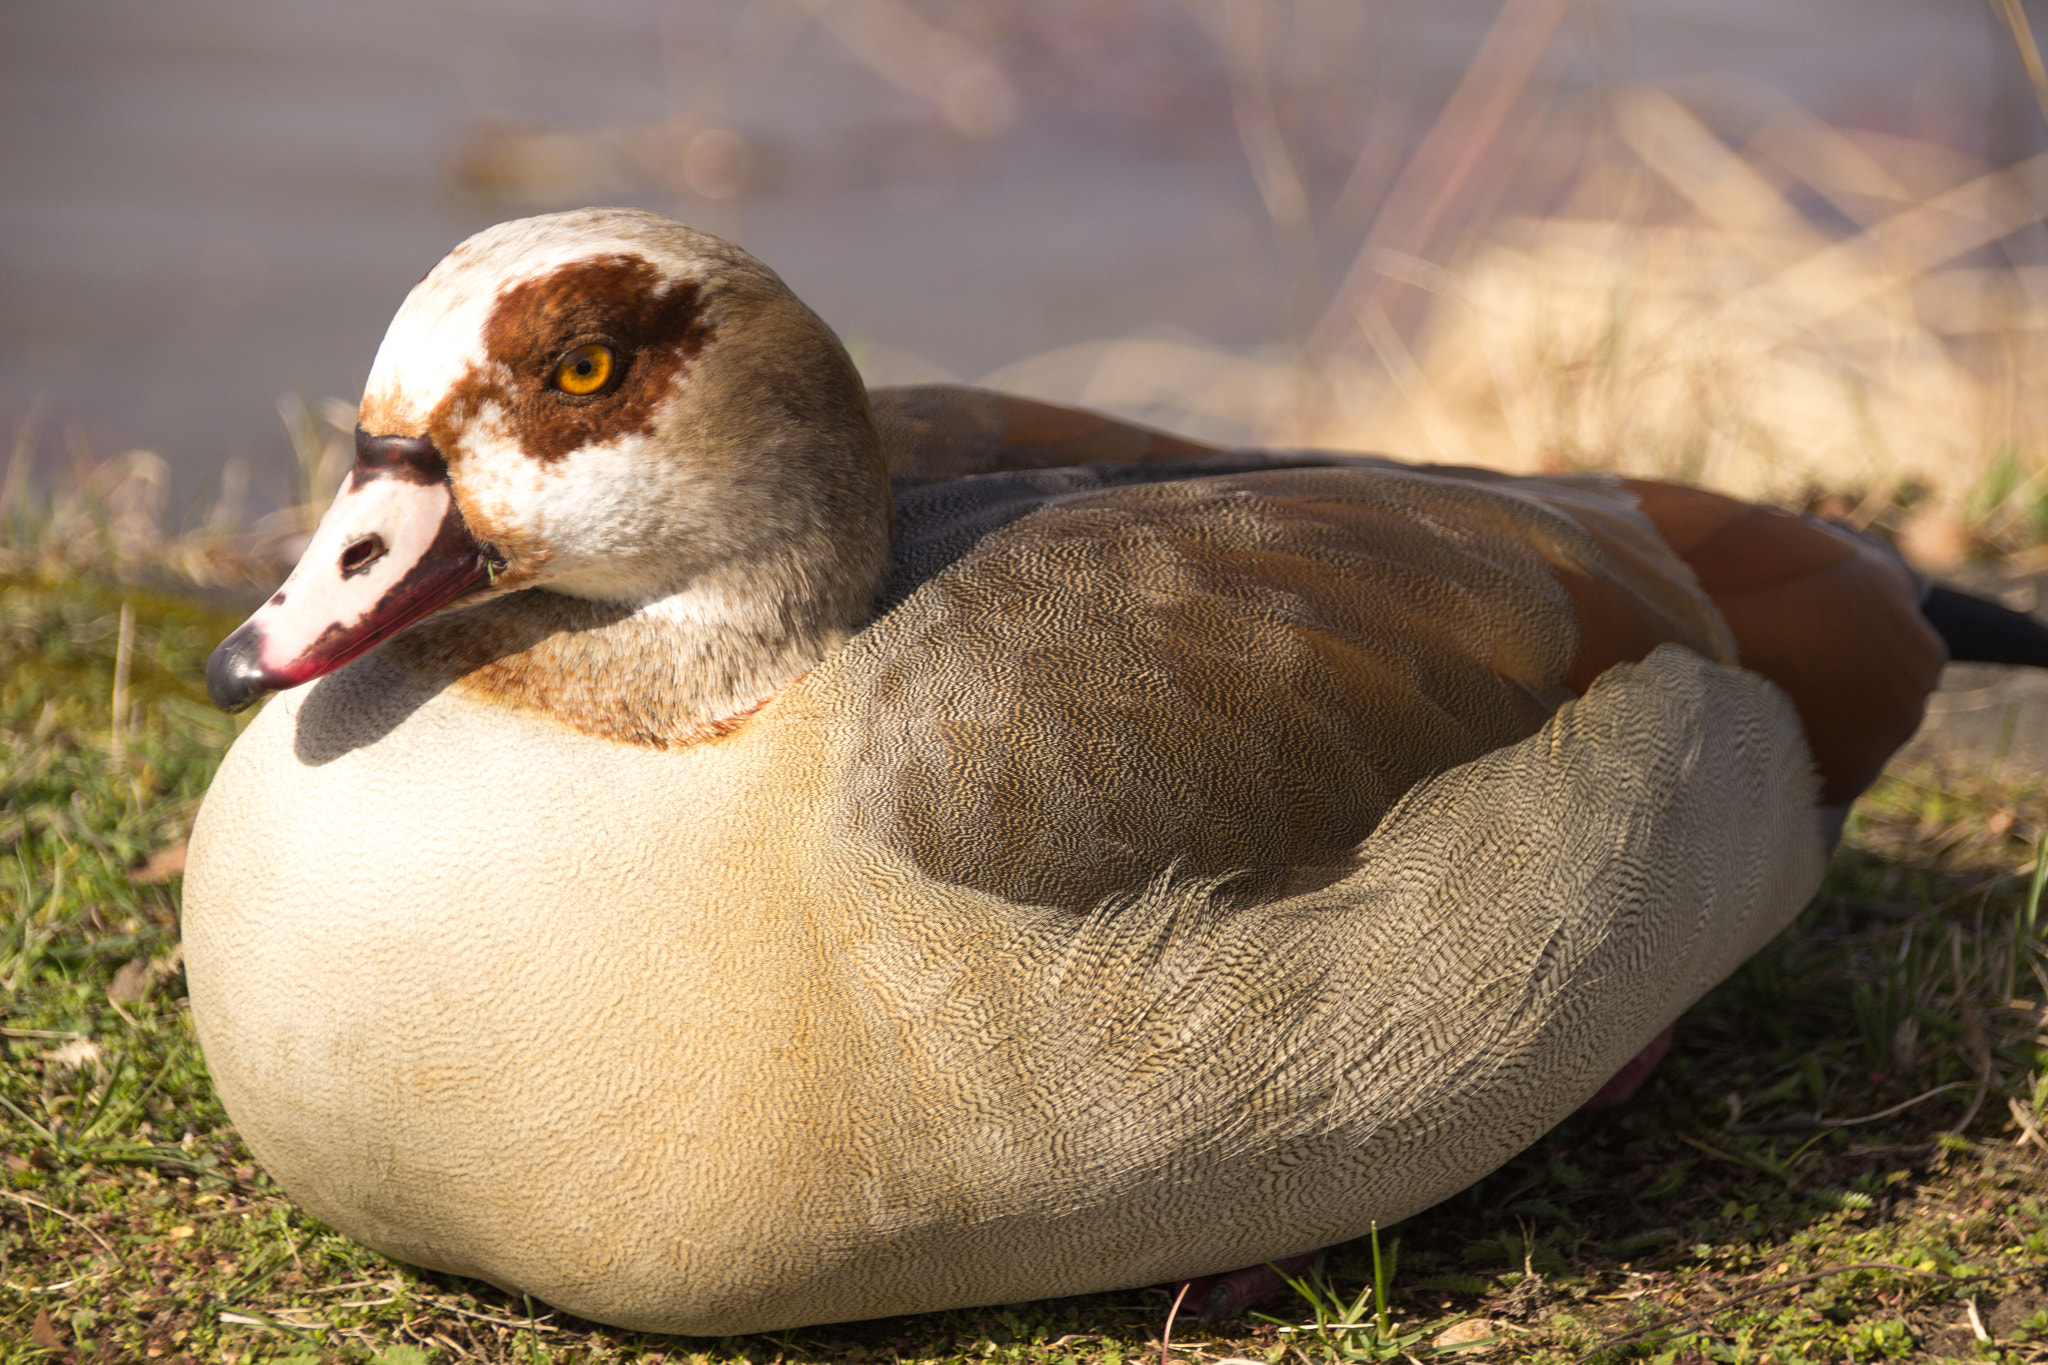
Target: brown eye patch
{"x":651,"y":328}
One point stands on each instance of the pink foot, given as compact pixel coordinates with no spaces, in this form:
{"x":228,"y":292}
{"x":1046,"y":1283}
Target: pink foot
{"x":1625,"y":1082}
{"x":1216,"y":1297}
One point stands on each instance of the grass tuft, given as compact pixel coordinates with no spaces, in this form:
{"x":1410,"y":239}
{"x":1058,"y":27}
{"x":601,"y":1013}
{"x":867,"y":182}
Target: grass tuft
{"x":1360,"y":1330}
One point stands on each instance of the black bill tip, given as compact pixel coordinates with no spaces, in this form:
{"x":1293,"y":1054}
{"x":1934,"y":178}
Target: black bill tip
{"x":234,"y":680}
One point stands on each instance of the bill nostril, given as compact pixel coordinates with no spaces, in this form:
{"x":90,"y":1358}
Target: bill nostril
{"x":361,"y":554}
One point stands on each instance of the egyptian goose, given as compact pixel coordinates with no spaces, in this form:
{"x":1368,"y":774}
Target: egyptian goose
{"x":660,"y":889}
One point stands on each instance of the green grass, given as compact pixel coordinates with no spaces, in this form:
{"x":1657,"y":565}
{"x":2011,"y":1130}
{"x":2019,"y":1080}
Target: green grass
{"x":1727,"y":1214}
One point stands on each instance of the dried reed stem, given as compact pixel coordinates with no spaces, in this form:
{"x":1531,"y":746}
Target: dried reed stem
{"x":2030,"y":52}
{"x":1450,"y":152}
{"x":124,"y":651}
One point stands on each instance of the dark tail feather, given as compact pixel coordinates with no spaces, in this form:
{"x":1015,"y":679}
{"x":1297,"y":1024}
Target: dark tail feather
{"x":1981,"y":632}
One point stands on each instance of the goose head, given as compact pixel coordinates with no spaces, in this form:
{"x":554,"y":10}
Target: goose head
{"x":607,"y":406}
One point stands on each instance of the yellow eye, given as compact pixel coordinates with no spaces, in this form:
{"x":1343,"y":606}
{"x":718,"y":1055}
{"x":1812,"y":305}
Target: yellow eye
{"x":584,"y":370}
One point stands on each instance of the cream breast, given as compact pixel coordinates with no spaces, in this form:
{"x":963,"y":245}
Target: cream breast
{"x":702,"y":1058}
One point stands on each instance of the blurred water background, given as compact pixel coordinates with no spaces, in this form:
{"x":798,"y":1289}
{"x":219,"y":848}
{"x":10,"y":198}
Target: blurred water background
{"x":1794,"y":249}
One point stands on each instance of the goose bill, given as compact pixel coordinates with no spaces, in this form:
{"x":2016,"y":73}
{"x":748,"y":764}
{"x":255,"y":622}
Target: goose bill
{"x":390,"y":550}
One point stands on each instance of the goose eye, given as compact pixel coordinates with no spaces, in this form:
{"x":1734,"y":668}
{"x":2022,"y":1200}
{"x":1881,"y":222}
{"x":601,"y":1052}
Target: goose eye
{"x":584,"y":370}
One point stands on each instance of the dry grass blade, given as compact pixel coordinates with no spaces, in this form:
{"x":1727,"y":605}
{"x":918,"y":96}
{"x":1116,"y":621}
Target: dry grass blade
{"x":1258,"y":125}
{"x":1898,"y":1108}
{"x":1442,"y":165}
{"x":117,"y":721}
{"x":1891,"y":254}
{"x":69,"y":1218}
{"x":1728,"y":191}
{"x":2030,"y":52}
{"x":1166,"y":1332}
{"x":2024,"y":1117}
